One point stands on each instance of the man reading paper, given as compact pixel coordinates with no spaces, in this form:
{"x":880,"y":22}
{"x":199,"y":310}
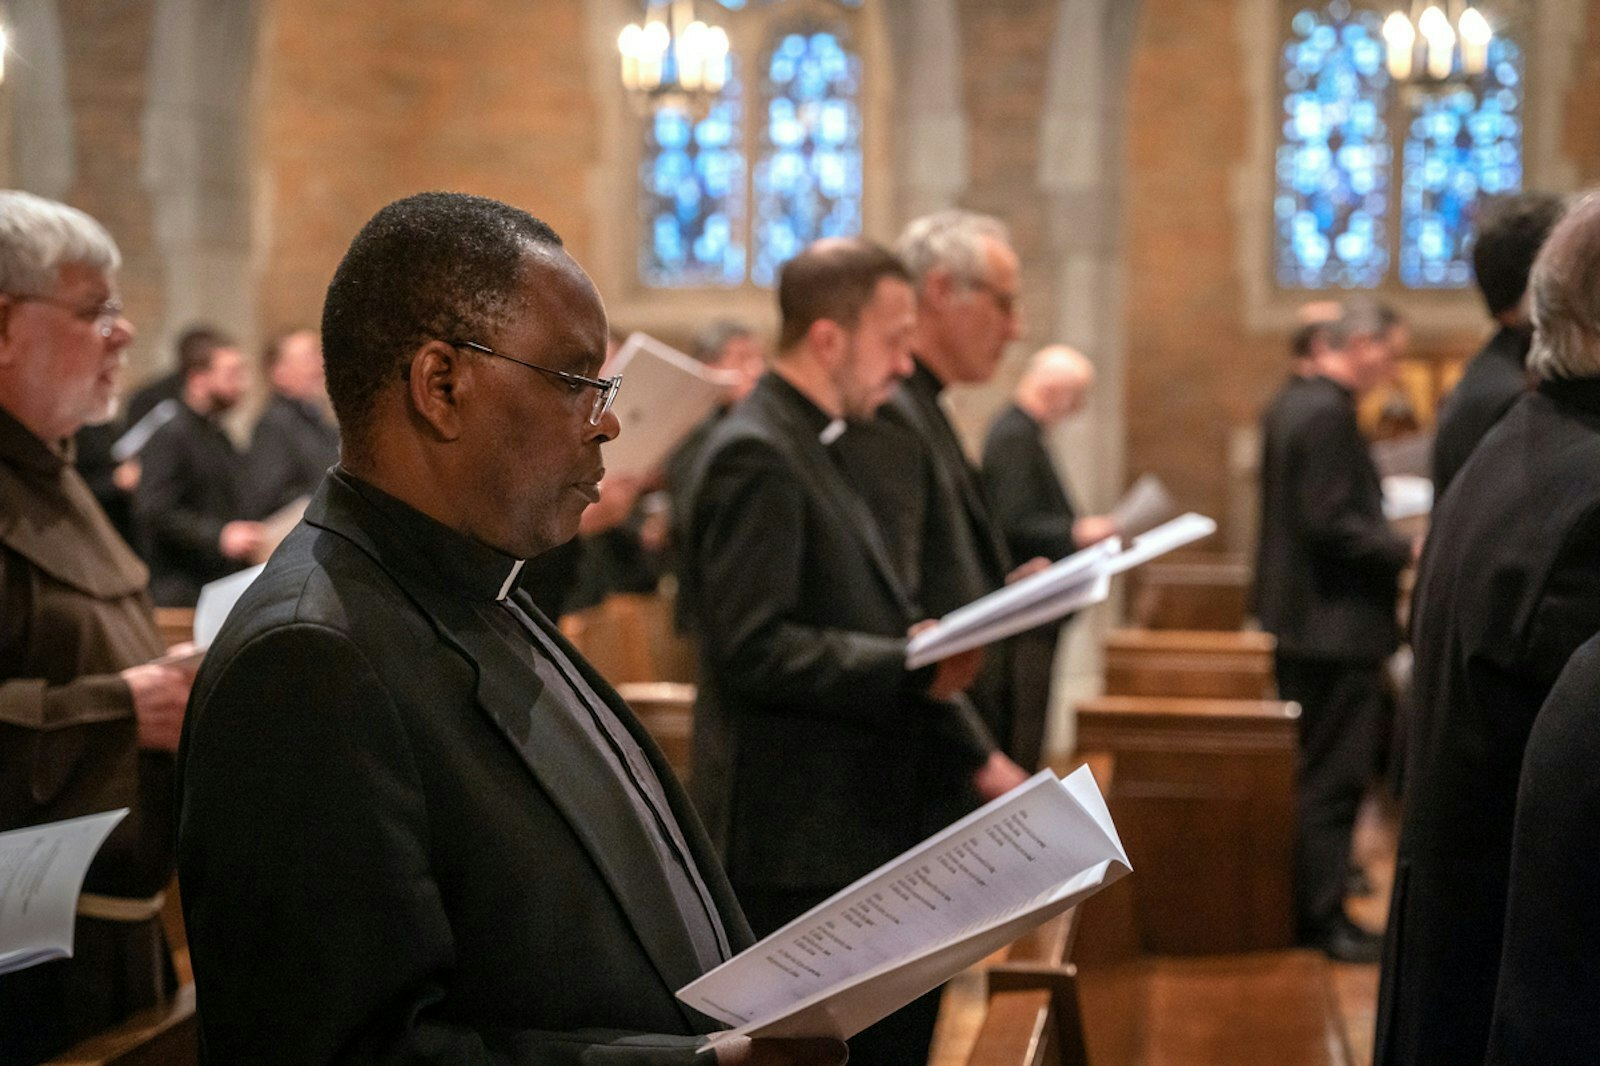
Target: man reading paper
{"x":415,"y":825}
{"x":818,"y":755}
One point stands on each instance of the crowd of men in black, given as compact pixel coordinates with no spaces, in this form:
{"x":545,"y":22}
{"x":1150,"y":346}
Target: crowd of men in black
{"x":413,"y":823}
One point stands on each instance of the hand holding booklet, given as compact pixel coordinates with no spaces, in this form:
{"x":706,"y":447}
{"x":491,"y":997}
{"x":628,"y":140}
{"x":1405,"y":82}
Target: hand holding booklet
{"x":41,"y":874}
{"x":1080,"y":580}
{"x":915,"y":922}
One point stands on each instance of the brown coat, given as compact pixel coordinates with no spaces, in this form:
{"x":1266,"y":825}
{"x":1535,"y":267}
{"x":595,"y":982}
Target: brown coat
{"x":74,"y":612}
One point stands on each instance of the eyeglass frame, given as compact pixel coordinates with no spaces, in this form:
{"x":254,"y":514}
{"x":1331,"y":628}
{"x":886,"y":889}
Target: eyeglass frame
{"x":1006,"y":302}
{"x":103,"y":317}
{"x":606,"y":388}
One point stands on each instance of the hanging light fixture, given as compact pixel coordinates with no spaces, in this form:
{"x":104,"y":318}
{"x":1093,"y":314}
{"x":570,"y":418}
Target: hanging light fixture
{"x":1427,"y":44}
{"x":673,"y":57}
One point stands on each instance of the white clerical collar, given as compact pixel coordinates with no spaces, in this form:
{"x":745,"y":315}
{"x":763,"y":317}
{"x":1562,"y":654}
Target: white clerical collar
{"x":511,"y":579}
{"x":831,"y":432}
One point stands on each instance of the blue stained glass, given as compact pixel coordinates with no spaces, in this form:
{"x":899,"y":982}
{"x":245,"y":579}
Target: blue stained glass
{"x":692,"y":195}
{"x":1463,"y":143}
{"x":1333,"y":162}
{"x":808,"y":183}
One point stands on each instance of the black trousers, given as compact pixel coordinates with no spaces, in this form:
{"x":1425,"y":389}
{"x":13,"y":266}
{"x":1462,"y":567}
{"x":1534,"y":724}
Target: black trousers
{"x":1342,"y":707}
{"x":901,"y":1039}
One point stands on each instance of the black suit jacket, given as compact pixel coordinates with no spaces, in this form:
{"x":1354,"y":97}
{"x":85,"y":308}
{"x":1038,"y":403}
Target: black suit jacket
{"x":193,"y":484}
{"x":1544,"y":1009}
{"x":1508,"y":588}
{"x":393,"y":846}
{"x":1327,"y":562}
{"x":1493,"y":381}
{"x":294,"y":444}
{"x":818,"y":756}
{"x":1029,"y":501}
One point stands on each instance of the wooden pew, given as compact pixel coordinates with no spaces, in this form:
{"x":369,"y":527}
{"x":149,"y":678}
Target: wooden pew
{"x":666,"y":708}
{"x":1198,"y":590}
{"x":175,"y":623}
{"x":631,"y":637}
{"x":164,"y":1035}
{"x":1198,"y":663}
{"x":1204,"y":797}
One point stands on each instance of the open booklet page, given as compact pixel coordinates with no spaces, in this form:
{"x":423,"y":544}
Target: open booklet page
{"x":1080,"y":580}
{"x":41,"y":874}
{"x":1145,"y":505}
{"x":918,"y":920}
{"x":664,"y":394}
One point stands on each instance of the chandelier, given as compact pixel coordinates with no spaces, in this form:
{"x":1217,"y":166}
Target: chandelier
{"x":673,"y":57}
{"x":1431,"y":45}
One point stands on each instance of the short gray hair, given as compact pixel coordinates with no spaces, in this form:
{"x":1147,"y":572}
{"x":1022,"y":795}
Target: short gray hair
{"x":38,"y":237}
{"x":1565,"y":286}
{"x":952,"y":240}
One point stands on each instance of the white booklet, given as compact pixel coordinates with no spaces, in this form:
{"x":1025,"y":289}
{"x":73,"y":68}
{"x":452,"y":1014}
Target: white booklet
{"x":1145,"y":505}
{"x":664,"y":394}
{"x":1078,"y":581}
{"x":915,"y":922}
{"x":41,"y":874}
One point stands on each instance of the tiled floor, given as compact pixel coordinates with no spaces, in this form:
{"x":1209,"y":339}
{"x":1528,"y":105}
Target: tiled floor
{"x":1355,"y":987}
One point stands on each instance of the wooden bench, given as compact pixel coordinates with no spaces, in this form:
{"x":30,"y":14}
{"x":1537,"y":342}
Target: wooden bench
{"x":631,"y":637}
{"x":1204,"y":797}
{"x":165,"y":1035}
{"x":1198,"y":663}
{"x":175,"y":623}
{"x":666,"y":708}
{"x":1198,"y":590}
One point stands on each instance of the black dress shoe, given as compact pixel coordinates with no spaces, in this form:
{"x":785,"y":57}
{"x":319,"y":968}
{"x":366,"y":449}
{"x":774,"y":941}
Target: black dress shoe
{"x":1348,"y":942}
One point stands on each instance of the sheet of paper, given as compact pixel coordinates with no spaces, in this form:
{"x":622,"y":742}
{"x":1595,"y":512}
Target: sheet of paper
{"x":1145,"y":505}
{"x":138,"y":435}
{"x":923,"y":917}
{"x":41,"y":874}
{"x":1405,"y":496}
{"x":216,"y":602}
{"x":664,"y":394}
{"x":1185,"y":529}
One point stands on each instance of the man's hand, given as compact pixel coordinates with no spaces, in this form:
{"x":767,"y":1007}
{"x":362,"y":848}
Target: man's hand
{"x":997,"y":777}
{"x":1028,"y":569}
{"x":769,"y":1052}
{"x":125,"y":475}
{"x":242,"y":540}
{"x":1092,"y":529}
{"x":952,"y":675}
{"x":160,"y":694}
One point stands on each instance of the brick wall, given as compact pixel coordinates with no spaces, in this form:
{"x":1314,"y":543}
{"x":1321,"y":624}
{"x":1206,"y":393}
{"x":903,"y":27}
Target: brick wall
{"x":361,"y":105}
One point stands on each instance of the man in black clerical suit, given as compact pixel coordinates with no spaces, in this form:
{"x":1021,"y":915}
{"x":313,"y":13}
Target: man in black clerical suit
{"x":1507,"y":236}
{"x":818,"y":755}
{"x":295,"y":442}
{"x":966,"y":278}
{"x":414,"y":824}
{"x":191,"y":501}
{"x":1326,"y":585}
{"x":1508,"y":588}
{"x":1034,"y":512}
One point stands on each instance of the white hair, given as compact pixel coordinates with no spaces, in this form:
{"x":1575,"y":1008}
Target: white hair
{"x":38,"y":237}
{"x":1565,"y":287}
{"x":952,"y":240}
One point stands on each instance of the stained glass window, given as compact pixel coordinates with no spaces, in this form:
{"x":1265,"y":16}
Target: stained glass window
{"x":716,"y":213}
{"x":1334,"y":159}
{"x":1346,"y":214}
{"x":808,"y":182}
{"x":1461,"y":144}
{"x":692,"y":195}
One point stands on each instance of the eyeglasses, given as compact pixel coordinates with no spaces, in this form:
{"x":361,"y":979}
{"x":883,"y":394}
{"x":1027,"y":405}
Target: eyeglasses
{"x":104,"y":316}
{"x":605,"y":388}
{"x":1005,"y":301}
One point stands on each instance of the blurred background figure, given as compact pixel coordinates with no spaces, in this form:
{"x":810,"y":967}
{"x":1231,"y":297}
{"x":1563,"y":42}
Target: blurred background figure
{"x":296,"y":439}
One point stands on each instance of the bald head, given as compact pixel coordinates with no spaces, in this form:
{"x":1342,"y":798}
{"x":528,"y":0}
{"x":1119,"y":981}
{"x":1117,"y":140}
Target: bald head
{"x":1565,"y":287}
{"x":1054,"y":384}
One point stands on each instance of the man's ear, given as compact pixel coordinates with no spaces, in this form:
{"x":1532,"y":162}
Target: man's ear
{"x":826,"y":338}
{"x":434,"y":386}
{"x":939,"y":287}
